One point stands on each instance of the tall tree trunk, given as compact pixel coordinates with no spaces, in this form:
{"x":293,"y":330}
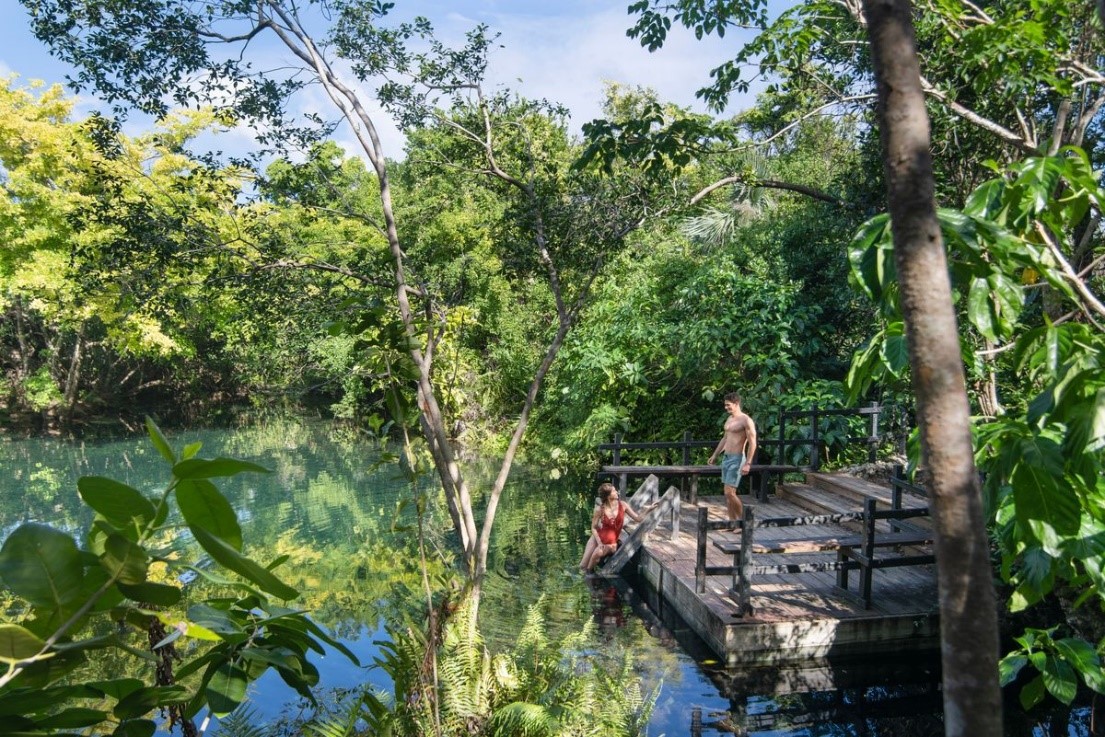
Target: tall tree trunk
{"x":73,"y":377}
{"x":968,"y":621}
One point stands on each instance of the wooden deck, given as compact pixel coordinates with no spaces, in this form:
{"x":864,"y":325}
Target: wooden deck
{"x":794,"y":616}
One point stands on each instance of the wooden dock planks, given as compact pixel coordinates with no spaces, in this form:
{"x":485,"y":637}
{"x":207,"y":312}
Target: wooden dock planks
{"x":794,"y":616}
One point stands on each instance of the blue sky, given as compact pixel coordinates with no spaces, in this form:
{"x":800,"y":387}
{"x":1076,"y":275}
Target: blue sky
{"x":559,"y":50}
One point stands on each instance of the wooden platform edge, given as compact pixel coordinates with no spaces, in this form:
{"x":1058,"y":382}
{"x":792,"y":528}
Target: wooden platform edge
{"x":739,"y":642}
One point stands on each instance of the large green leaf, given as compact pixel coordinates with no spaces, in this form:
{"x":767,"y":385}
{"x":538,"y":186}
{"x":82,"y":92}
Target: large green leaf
{"x":1060,"y":679}
{"x":1086,"y":425}
{"x":895,"y":349}
{"x":216,"y":620}
{"x":135,"y":728}
{"x":159,"y":594}
{"x":1010,"y":666}
{"x":73,"y":718}
{"x":16,"y":643}
{"x":117,"y":688}
{"x":1039,"y":490}
{"x":228,"y":557}
{"x":159,"y":441}
{"x":15,"y":701}
{"x":1033,"y":693}
{"x":1078,"y":653}
{"x":278,"y":657}
{"x":206,"y":468}
{"x":43,"y":673}
{"x":978,"y":308}
{"x":204,"y":506}
{"x":872,"y":257}
{"x":43,"y":566}
{"x":124,"y":560}
{"x":142,"y":701}
{"x":120,"y":504}
{"x":226,"y":689}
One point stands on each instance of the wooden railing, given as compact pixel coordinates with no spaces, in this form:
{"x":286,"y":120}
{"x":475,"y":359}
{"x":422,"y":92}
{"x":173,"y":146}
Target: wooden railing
{"x":773,"y":452}
{"x":854,"y":552}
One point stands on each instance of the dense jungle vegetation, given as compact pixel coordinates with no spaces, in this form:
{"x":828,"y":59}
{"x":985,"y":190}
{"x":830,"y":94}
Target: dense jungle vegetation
{"x":505,"y":285}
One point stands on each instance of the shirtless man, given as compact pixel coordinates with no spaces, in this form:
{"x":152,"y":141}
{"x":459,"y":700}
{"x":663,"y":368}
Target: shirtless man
{"x":738,"y":442}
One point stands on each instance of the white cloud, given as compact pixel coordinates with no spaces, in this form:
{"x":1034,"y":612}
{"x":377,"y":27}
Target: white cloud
{"x":562,"y":51}
{"x":568,"y":58}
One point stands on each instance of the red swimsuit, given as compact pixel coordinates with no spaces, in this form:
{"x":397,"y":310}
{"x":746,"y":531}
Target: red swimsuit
{"x":609,"y":529}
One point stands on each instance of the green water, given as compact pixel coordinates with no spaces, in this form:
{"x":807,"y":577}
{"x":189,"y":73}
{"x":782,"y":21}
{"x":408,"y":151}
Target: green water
{"x":336,"y":513}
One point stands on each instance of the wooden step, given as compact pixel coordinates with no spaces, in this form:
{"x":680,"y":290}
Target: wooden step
{"x":820,"y":500}
{"x":815,"y":499}
{"x":862,"y":489}
{"x":859,"y":490}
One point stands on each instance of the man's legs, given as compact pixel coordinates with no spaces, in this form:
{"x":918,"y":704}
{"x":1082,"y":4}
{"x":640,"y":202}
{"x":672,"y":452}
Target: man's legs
{"x":731,"y":466}
{"x":734,"y":504}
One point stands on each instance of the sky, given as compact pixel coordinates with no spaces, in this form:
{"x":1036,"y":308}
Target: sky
{"x":560,"y":50}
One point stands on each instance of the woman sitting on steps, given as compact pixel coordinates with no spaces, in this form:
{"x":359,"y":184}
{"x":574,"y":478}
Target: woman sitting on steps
{"x":606,"y":526}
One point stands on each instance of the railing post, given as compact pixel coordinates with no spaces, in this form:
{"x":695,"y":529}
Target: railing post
{"x":782,"y":459}
{"x":868,"y":550}
{"x":686,"y":461}
{"x":744,"y":570}
{"x":815,"y":437}
{"x":873,"y":436}
{"x":700,"y":555}
{"x":676,"y":514}
{"x":895,"y":495}
{"x":617,"y":449}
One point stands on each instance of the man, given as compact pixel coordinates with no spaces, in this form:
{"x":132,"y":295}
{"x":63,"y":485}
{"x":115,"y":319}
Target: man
{"x":738,"y":442}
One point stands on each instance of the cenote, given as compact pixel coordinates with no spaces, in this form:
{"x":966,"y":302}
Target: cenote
{"x":339,"y":516}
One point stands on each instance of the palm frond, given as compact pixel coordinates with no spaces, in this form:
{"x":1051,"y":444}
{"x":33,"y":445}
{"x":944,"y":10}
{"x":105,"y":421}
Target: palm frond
{"x":714,"y":227}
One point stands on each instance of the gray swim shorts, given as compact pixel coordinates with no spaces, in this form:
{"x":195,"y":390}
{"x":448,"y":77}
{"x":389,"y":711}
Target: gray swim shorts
{"x":731,"y":464}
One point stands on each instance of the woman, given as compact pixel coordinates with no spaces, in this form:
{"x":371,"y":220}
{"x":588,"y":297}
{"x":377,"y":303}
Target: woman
{"x":606,"y":526}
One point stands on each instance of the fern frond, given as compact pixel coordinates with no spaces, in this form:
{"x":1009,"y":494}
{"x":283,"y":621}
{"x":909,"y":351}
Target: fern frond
{"x":521,"y":719}
{"x":242,"y":722}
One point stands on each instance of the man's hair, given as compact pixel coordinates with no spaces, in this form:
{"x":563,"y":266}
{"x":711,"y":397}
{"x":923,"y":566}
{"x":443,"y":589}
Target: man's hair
{"x":733,"y":397}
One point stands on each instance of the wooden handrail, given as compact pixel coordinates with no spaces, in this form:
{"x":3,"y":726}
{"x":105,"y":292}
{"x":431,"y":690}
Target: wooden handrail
{"x":848,"y":559}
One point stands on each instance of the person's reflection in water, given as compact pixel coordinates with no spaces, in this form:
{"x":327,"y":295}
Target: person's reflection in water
{"x":608,"y":606}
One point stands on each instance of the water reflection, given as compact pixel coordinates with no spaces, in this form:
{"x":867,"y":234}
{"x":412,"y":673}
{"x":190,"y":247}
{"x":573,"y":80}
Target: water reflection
{"x":334,"y":513}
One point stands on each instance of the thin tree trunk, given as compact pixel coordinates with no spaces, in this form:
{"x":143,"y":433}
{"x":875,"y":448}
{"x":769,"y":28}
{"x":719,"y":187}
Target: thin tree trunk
{"x":968,"y":621}
{"x":73,"y":376}
{"x":21,"y":339}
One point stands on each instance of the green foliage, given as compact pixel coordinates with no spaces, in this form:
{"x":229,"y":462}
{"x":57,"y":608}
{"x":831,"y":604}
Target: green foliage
{"x":41,"y":391}
{"x":670,"y":331}
{"x":1061,"y":664}
{"x":123,"y":575}
{"x":1043,"y":462}
{"x":543,"y":687}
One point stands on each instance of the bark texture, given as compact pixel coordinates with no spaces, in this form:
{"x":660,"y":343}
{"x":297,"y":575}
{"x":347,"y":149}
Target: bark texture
{"x":968,"y":621}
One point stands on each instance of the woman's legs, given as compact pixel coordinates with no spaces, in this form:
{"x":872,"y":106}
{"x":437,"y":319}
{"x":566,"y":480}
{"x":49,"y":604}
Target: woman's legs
{"x":592,"y":542}
{"x":600,"y":551}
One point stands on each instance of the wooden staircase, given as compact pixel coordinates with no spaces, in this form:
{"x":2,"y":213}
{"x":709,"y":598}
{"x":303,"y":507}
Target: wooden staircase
{"x":829,"y":493}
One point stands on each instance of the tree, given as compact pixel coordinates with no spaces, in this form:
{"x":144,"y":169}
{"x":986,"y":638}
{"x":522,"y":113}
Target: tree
{"x":93,"y":305}
{"x":968,"y":624}
{"x":968,"y":633}
{"x":141,"y":55}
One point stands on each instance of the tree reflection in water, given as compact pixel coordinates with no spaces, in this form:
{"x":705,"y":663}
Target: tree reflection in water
{"x":333,"y":513}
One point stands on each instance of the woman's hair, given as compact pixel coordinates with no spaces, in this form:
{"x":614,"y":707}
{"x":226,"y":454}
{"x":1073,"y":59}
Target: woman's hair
{"x":605,"y":491}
